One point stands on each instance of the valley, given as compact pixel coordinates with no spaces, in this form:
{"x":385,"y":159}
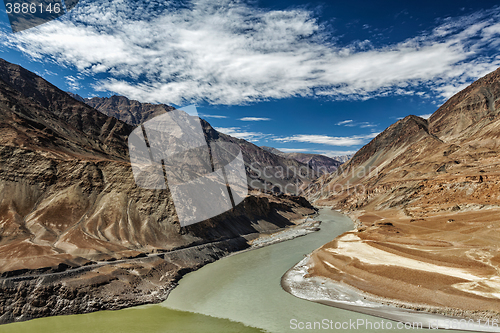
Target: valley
{"x":78,"y":235}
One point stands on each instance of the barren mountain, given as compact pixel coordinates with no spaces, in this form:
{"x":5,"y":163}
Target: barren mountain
{"x":414,"y":150}
{"x":343,"y":158}
{"x":129,"y":111}
{"x":319,"y":163}
{"x":72,"y":219}
{"x":76,"y":96}
{"x":265,"y":170}
{"x":425,"y":196}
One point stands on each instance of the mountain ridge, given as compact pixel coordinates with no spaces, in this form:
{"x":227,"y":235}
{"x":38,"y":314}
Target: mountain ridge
{"x":265,"y":170}
{"x":110,"y":132}
{"x":321,"y":164}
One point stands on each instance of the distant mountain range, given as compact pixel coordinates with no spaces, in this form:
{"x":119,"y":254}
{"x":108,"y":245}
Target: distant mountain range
{"x":343,"y":158}
{"x":135,"y":113}
{"x":320,"y":163}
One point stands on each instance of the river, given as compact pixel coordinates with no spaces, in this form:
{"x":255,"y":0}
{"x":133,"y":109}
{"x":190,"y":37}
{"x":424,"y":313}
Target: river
{"x":240,"y":293}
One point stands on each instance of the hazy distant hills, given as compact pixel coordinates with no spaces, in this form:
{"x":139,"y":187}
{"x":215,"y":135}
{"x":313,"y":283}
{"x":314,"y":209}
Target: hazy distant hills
{"x":320,"y":163}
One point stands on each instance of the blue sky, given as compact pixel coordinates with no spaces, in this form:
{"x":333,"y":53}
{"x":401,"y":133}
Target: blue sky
{"x":310,"y":76}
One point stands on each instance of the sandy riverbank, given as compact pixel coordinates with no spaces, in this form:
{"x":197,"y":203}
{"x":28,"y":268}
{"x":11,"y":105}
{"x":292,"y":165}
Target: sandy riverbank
{"x":397,"y":268}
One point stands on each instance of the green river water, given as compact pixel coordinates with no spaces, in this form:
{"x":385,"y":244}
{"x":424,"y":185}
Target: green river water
{"x":240,"y":293}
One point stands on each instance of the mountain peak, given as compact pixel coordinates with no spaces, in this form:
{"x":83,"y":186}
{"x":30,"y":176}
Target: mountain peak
{"x":403,"y":132}
{"x":130,"y":111}
{"x":458,"y":142}
{"x":40,"y":114}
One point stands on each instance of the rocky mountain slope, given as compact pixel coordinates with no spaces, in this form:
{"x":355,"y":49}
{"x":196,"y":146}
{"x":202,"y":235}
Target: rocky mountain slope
{"x":129,"y":111}
{"x":458,"y":142}
{"x":76,"y":233}
{"x":265,"y":170}
{"x":319,"y":163}
{"x":425,"y":195}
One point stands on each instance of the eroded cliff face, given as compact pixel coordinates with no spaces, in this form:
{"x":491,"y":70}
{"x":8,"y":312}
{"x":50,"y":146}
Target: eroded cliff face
{"x":92,"y":210}
{"x":76,"y":233}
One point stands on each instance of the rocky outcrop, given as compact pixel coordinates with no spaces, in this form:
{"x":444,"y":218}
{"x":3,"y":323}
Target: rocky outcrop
{"x":129,"y":111}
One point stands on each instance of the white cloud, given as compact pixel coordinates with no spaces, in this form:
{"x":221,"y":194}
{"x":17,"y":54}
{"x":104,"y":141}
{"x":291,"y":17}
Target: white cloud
{"x":425,"y":116}
{"x":72,"y":82}
{"x":366,"y":124}
{"x":240,"y":133}
{"x":212,"y":116}
{"x":352,"y":123}
{"x":329,"y":153}
{"x":448,"y":90}
{"x":347,"y":141}
{"x":329,"y":140}
{"x":295,"y":150}
{"x":254,"y":119}
{"x":230,"y":52}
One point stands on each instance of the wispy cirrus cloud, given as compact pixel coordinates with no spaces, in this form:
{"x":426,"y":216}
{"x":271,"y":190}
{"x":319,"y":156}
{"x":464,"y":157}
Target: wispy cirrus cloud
{"x":352,"y":123}
{"x":329,"y":140}
{"x":366,"y":124}
{"x":240,"y":133}
{"x":213,"y":116}
{"x":329,"y":153}
{"x":254,"y":119}
{"x":231,"y":52}
{"x":346,"y":141}
{"x":72,"y":82}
